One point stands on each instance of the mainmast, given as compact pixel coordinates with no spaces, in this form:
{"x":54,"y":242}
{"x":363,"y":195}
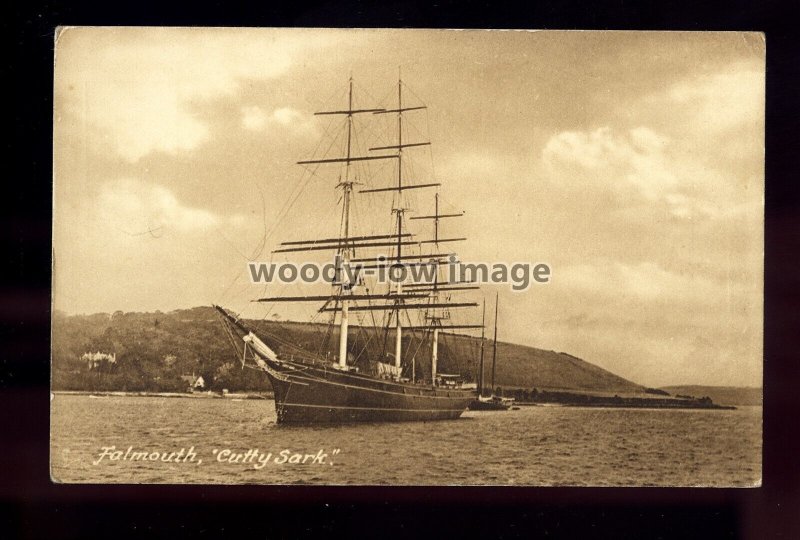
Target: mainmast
{"x":347,"y":186}
{"x":399,"y":211}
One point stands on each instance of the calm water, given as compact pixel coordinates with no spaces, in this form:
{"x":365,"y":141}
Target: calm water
{"x":530,"y":446}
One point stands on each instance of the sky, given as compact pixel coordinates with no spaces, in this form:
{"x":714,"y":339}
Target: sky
{"x":631,"y":163}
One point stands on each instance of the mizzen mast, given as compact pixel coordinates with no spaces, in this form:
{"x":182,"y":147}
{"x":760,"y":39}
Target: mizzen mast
{"x":436,"y":289}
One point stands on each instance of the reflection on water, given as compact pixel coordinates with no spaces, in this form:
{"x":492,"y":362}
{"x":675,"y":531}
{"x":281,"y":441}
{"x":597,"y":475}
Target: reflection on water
{"x":530,"y":446}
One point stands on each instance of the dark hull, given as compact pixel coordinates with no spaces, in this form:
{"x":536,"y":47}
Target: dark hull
{"x":310,"y":394}
{"x":477,"y":405}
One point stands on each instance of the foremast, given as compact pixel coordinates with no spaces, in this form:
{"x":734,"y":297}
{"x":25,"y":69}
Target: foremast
{"x":345,"y":251}
{"x":346,"y":243}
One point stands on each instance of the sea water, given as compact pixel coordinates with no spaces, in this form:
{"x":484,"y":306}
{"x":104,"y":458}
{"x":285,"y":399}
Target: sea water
{"x":231,"y":441}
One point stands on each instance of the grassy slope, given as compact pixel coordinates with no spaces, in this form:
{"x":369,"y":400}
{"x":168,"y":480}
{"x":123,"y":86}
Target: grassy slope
{"x":517,"y":365}
{"x":196,"y":333}
{"x":724,"y":395}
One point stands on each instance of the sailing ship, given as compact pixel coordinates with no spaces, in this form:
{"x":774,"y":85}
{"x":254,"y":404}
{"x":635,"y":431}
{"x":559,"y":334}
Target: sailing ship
{"x":361,"y":385}
{"x":491,"y":402}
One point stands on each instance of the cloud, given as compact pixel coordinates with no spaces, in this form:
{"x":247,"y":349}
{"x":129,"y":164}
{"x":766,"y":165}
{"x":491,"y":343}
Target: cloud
{"x":134,"y":207}
{"x":255,"y":118}
{"x":286,"y":115}
{"x":648,"y":282}
{"x":636,"y":157}
{"x":722,"y":101}
{"x":636,"y":164}
{"x":140,"y":87}
{"x":714,"y":116}
{"x":677,"y":325}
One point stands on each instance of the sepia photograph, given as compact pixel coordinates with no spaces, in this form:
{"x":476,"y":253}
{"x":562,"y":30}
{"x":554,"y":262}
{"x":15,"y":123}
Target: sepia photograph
{"x":407,"y":257}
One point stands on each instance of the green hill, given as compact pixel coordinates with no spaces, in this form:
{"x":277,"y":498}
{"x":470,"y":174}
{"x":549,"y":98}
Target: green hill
{"x":521,"y":366}
{"x":724,"y":395}
{"x":153,"y":350}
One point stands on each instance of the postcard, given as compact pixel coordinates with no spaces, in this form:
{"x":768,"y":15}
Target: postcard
{"x":407,"y":257}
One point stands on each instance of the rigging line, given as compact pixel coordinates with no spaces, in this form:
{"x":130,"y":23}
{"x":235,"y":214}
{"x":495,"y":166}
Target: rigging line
{"x":267,"y":284}
{"x":390,"y":94}
{"x":421,"y":102}
{"x":326,"y":334}
{"x":362,"y":90}
{"x":337,"y":95}
{"x":287,"y":344}
{"x":313,"y":170}
{"x":430,"y":147}
{"x":228,"y":288}
{"x":235,"y":279}
{"x":375,"y":329}
{"x":272,"y":306}
{"x":289,"y":203}
{"x":388,"y":320}
{"x":372,"y":130}
{"x":421,"y":343}
{"x":264,"y":223}
{"x":298,"y":190}
{"x":412,"y":338}
{"x":367,"y":341}
{"x":278,"y":339}
{"x":218,"y":230}
{"x":262,"y":243}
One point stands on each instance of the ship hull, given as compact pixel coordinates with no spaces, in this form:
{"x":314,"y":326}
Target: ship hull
{"x":308,"y":394}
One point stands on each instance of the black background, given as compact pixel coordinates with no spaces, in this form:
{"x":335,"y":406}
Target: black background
{"x":33,"y":507}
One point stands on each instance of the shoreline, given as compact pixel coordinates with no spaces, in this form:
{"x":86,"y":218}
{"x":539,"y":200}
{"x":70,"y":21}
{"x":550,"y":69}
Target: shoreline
{"x":269,"y":395}
{"x":191,"y":395}
{"x":628,"y":405}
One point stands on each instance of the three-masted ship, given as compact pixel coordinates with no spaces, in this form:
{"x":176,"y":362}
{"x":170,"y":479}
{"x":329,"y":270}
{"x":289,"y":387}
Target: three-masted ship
{"x":361,"y":385}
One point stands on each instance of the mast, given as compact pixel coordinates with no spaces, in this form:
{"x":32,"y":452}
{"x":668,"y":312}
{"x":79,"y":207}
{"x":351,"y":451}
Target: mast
{"x":435,"y":288}
{"x":399,"y":304}
{"x":398,"y":344}
{"x":434,"y":319}
{"x":345,"y":252}
{"x":344,"y":245}
{"x":436,"y":221}
{"x":435,"y":352}
{"x":494,"y":349}
{"x":483,"y":341}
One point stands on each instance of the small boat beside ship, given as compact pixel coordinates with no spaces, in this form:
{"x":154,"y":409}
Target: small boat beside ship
{"x":491,"y":402}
